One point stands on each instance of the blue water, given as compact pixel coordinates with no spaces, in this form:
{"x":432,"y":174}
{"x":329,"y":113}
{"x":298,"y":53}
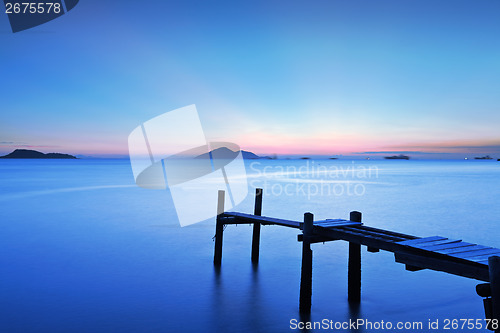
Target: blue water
{"x":82,"y":249}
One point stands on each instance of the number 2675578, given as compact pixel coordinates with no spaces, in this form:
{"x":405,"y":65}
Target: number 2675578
{"x":33,"y":8}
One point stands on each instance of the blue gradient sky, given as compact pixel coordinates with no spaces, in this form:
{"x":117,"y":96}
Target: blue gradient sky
{"x":287,"y":77}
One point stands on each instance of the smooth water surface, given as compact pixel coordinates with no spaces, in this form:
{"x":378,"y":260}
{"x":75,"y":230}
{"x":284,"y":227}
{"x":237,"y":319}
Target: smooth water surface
{"x":82,"y":249}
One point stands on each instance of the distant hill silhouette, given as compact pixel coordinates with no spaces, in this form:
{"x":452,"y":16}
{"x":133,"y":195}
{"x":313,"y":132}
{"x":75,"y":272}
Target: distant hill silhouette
{"x":26,"y":153}
{"x":249,"y":155}
{"x":224,"y":153}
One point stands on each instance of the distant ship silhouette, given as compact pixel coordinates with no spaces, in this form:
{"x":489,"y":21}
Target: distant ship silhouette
{"x":397,"y":157}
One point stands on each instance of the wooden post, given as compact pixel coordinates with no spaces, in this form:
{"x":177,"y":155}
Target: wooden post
{"x":494,"y":271}
{"x":256,"y":226}
{"x":219,"y":229}
{"x":354,"y":269}
{"x":306,"y":272}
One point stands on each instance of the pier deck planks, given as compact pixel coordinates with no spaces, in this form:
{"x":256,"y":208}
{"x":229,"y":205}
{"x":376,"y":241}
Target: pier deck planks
{"x":436,"y":252}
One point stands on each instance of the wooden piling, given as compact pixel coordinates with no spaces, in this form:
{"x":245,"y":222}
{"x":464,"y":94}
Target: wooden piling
{"x":219,"y":229}
{"x":256,"y":226}
{"x":354,"y":266}
{"x":306,"y":271}
{"x":494,"y":272}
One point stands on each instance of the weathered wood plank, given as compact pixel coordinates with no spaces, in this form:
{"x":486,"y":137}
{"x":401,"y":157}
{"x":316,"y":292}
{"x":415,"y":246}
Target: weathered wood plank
{"x":316,"y":239}
{"x":413,"y":268}
{"x":485,"y":252}
{"x":445,"y":246}
{"x":249,"y":218}
{"x":330,"y":221}
{"x":372,"y":249}
{"x":467,"y":248}
{"x":483,"y":289}
{"x":470,"y":255}
{"x":387,"y":232}
{"x":439,"y":242}
{"x":422,"y":240}
{"x":479,"y":272}
{"x":350,"y":236}
{"x":369,"y":233}
{"x":341,"y":221}
{"x":483,"y":257}
{"x":337,"y":224}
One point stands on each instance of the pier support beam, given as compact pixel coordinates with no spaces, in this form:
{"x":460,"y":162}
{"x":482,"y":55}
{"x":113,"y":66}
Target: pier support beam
{"x":494,"y":271}
{"x":219,"y":229}
{"x":306,"y":271}
{"x":256,"y":226}
{"x":354,"y":270}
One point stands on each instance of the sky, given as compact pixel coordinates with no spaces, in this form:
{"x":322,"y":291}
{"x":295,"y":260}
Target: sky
{"x":333,"y":77}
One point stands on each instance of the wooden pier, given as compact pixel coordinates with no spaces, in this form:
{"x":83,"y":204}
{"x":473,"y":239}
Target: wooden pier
{"x":438,"y":253}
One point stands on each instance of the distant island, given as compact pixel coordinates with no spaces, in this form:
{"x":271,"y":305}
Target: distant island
{"x":249,"y":155}
{"x":487,"y":157}
{"x":224,"y":152}
{"x":26,"y":153}
{"x":397,"y":157}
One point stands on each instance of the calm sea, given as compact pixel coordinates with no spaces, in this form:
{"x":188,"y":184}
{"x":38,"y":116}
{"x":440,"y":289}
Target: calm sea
{"x":82,"y":249}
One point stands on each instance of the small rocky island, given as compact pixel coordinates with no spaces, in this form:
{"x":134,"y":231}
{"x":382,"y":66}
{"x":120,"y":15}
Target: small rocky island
{"x":27,"y":153}
{"x":224,"y":152}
